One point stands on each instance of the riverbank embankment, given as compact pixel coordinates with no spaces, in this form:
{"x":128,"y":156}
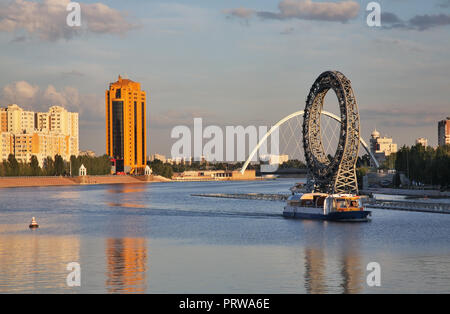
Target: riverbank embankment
{"x":406,"y":192}
{"x":11,"y":182}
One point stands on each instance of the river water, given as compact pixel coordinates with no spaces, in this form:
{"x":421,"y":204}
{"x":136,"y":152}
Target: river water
{"x":157,"y":238}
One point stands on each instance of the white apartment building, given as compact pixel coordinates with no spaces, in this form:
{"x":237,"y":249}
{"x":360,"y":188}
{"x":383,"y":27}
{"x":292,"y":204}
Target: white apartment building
{"x":41,"y":134}
{"x":423,"y":141}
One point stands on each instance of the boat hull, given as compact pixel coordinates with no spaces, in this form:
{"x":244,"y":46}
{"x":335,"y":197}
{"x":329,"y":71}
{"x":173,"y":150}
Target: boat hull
{"x":317,"y":214}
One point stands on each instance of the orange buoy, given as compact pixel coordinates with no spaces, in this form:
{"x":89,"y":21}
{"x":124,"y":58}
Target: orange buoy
{"x":33,"y":224}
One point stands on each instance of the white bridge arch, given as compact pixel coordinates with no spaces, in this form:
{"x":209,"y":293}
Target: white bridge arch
{"x":293,"y":115}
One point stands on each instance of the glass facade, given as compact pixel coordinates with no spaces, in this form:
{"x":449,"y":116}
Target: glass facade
{"x":117,"y":122}
{"x":143,"y":131}
{"x":135,"y":133}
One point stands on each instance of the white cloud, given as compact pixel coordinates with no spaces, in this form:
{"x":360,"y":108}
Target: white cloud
{"x":243,"y":13}
{"x":22,"y":93}
{"x":327,"y":11}
{"x":341,"y":11}
{"x":19,"y":92}
{"x":47,"y":20}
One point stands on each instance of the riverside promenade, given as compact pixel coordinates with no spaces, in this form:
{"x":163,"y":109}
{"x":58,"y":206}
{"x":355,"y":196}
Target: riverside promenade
{"x":11,"y":182}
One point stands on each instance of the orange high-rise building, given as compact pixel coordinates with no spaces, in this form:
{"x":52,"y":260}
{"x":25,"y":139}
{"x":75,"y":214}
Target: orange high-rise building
{"x":126,"y":138}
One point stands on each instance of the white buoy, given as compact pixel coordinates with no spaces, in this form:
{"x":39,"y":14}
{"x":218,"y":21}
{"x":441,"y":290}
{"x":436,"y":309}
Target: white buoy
{"x":33,"y":223}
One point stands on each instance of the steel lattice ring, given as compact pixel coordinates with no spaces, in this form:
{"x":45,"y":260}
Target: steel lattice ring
{"x":338,"y":174}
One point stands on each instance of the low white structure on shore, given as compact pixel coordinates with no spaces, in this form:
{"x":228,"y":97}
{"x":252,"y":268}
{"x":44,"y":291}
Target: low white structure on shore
{"x":82,"y":172}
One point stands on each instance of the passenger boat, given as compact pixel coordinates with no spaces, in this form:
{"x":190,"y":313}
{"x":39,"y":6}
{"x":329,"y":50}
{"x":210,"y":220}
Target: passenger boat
{"x":335,"y":207}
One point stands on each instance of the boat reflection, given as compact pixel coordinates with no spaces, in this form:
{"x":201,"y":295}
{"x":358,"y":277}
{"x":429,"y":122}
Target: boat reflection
{"x":322,"y":275}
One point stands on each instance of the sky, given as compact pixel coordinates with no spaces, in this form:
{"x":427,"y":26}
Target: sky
{"x":248,"y":62}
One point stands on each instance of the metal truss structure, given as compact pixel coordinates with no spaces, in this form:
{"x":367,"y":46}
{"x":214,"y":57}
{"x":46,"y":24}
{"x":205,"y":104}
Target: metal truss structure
{"x":335,"y":174}
{"x":291,"y":116}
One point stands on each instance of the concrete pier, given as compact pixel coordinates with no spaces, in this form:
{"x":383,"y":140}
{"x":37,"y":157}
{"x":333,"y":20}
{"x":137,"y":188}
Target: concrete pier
{"x":440,"y":208}
{"x":248,"y":196}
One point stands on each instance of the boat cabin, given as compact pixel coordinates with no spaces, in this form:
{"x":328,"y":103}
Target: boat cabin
{"x":343,"y":203}
{"x":329,"y":203}
{"x":307,"y":200}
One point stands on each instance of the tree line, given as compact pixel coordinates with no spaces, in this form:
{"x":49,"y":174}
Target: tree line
{"x":423,"y":165}
{"x":55,"y":166}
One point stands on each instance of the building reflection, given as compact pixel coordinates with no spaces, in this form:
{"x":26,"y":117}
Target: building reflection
{"x":314,"y":270}
{"x":351,"y":267}
{"x":126,"y":265}
{"x":32,"y":262}
{"x":127,"y":188}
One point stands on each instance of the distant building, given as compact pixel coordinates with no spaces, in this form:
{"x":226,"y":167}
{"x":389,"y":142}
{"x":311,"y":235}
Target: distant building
{"x":187,"y":161}
{"x":176,"y":161}
{"x":6,"y":145}
{"x":422,"y":141}
{"x":271,"y":163}
{"x":214,"y":175}
{"x":381,"y":147}
{"x":444,"y":132}
{"x":88,"y":153}
{"x":16,"y":120}
{"x":158,"y":157}
{"x":126,"y":139}
{"x":26,"y":133}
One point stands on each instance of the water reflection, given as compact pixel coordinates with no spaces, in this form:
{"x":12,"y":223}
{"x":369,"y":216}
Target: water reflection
{"x":34,"y":263}
{"x":319,"y":271}
{"x":126,"y":265}
{"x":314,"y":270}
{"x":127,"y":205}
{"x":212,"y":252}
{"x":351,"y":270}
{"x":128,"y":188}
{"x":66,"y":195}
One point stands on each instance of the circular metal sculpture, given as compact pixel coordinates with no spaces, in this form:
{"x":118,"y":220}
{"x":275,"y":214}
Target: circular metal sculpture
{"x":332,"y":174}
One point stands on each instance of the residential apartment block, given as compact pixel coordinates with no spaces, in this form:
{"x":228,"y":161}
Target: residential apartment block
{"x":26,"y":133}
{"x":444,"y":132}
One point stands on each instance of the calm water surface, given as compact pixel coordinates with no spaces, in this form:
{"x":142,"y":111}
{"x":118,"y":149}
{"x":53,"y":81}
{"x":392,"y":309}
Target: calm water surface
{"x":158,"y":238}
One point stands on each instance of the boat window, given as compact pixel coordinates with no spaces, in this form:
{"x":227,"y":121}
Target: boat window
{"x":354,"y":203}
{"x":320,"y":200}
{"x":341,"y":203}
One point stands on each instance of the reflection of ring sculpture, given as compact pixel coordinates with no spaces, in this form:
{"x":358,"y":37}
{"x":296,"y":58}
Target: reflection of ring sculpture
{"x":335,"y":174}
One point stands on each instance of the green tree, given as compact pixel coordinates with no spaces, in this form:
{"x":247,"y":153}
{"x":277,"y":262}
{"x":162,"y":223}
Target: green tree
{"x":294,"y":163}
{"x":49,"y":166}
{"x":396,"y":180}
{"x":34,"y":165}
{"x":363,"y":161}
{"x":13,"y":166}
{"x":59,"y":165}
{"x":360,"y":173}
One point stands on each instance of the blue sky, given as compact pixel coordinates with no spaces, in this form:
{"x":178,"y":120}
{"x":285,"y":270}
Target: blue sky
{"x":198,"y":59}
